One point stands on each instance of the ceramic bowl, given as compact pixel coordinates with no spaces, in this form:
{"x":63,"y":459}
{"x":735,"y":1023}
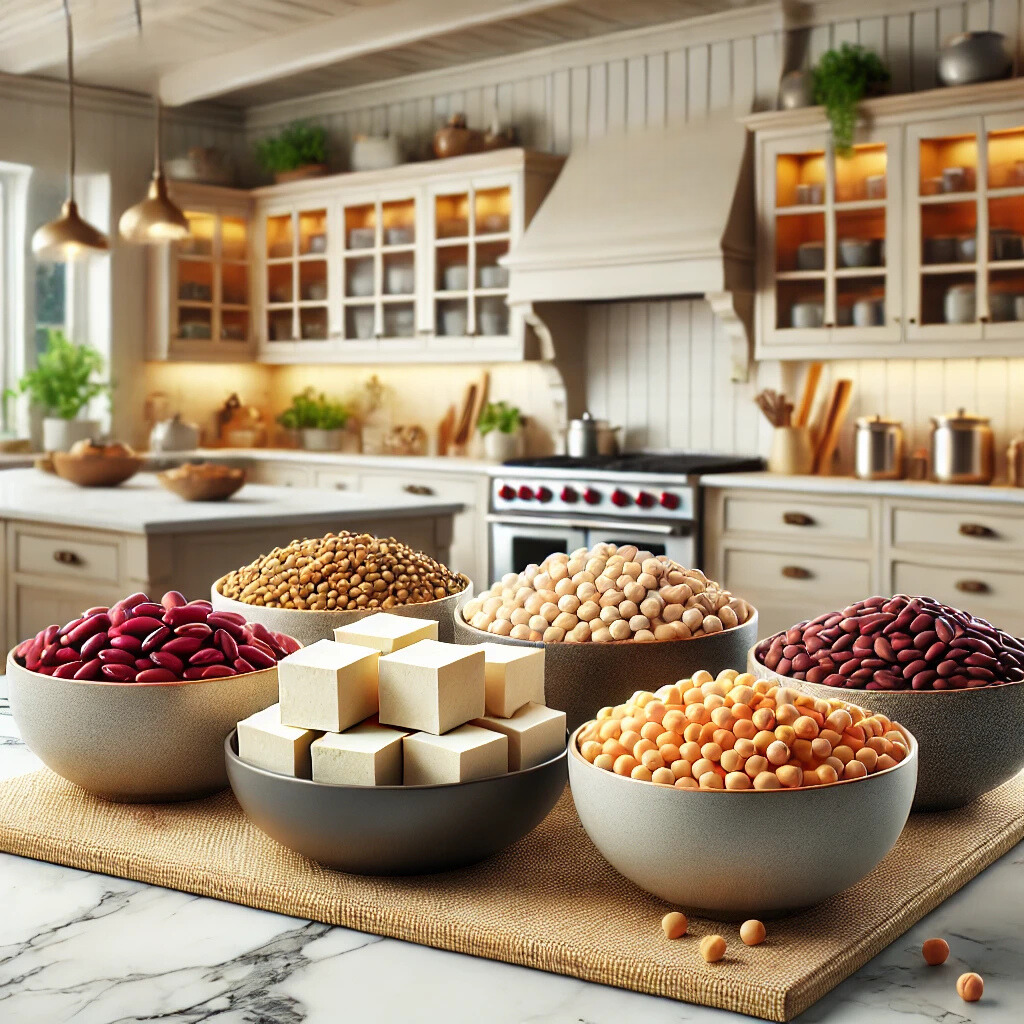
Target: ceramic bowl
{"x":96,"y":470}
{"x":785,"y":849}
{"x":395,"y":830}
{"x":858,"y":252}
{"x":807,"y":315}
{"x":580,"y":678}
{"x":810,"y":256}
{"x":135,"y":742}
{"x":969,"y":744}
{"x":201,"y":487}
{"x":309,"y":626}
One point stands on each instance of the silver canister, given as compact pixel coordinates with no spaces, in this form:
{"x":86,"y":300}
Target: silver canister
{"x":963,"y":449}
{"x":588,"y":436}
{"x":878,"y":449}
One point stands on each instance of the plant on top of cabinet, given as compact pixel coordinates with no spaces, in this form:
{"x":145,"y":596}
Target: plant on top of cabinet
{"x":500,"y":426}
{"x":319,"y":420}
{"x":842,"y":78}
{"x":298,"y":151}
{"x":62,"y":383}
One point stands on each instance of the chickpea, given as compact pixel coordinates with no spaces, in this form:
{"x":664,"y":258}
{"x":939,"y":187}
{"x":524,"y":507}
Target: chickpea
{"x":969,"y":987}
{"x":712,"y":948}
{"x":663,"y":777}
{"x":737,"y":780}
{"x":767,"y":780}
{"x":711,"y":780}
{"x":625,"y":764}
{"x":752,"y":933}
{"x":935,"y":951}
{"x":686,"y":783}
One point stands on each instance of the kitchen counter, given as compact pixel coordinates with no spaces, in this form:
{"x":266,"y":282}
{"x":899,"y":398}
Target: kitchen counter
{"x":95,"y":949}
{"x":430,"y":463}
{"x":923,"y":489}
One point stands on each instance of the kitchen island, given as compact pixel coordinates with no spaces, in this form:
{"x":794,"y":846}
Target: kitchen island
{"x":64,"y":548}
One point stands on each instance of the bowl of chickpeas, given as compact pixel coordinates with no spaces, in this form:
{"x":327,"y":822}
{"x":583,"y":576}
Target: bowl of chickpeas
{"x":797,"y":797}
{"x":607,"y":616}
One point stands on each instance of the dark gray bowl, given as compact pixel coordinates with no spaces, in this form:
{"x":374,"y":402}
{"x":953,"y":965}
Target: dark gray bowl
{"x":396,"y":830}
{"x":580,"y":678}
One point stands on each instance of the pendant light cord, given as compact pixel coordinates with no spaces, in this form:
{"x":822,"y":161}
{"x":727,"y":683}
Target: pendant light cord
{"x":71,"y":102}
{"x":137,"y":5}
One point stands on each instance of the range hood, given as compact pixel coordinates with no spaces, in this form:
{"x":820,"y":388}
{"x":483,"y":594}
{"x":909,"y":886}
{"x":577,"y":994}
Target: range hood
{"x":653,"y":213}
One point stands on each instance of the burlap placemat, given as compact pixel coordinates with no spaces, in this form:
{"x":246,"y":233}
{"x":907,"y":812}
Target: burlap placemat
{"x":549,"y":902}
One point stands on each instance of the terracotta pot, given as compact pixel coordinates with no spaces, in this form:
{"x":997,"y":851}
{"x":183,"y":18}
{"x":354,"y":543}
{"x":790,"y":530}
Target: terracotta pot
{"x":300,"y":173}
{"x":455,"y":139}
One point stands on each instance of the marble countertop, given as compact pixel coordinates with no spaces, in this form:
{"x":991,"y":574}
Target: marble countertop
{"x":430,"y":463}
{"x":850,"y":486}
{"x":88,"y":948}
{"x":141,"y":505}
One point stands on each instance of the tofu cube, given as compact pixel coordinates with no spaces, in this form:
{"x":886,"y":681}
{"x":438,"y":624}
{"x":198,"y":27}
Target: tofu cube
{"x":264,"y":742}
{"x":514,"y":677}
{"x":366,"y":755}
{"x":461,"y":755}
{"x":386,"y":633}
{"x":328,"y":686}
{"x":431,"y":686}
{"x":535,"y":734}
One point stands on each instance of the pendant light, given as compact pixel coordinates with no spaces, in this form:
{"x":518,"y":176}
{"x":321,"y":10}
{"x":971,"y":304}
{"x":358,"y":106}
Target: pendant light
{"x":69,"y":236}
{"x":155,"y":219}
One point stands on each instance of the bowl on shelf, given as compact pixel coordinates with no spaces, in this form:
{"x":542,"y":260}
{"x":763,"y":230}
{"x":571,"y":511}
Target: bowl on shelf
{"x":400,"y":234}
{"x":95,"y":470}
{"x":807,"y":315}
{"x":974,"y":57}
{"x":309,"y":626}
{"x":869,"y":312}
{"x":362,"y":322}
{"x":493,"y":276}
{"x":966,"y":746}
{"x":399,"y":278}
{"x":810,"y":256}
{"x":395,"y":830}
{"x":454,"y":321}
{"x":792,"y":848}
{"x":203,"y":481}
{"x":941,"y":249}
{"x":456,"y":277}
{"x":581,"y":677}
{"x":858,"y":252}
{"x":362,"y":238}
{"x":135,"y":742}
{"x":959,"y":305}
{"x":493,"y":316}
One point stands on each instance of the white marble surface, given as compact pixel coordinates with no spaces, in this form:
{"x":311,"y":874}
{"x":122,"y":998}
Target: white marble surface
{"x":141,"y":505}
{"x":924,"y":489}
{"x":90,"y":949}
{"x":354,"y":460}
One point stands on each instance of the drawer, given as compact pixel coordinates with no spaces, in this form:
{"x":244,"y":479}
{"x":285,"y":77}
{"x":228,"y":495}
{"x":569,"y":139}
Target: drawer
{"x":67,"y":557}
{"x":790,"y":574}
{"x":337,"y":480}
{"x":976,"y":530}
{"x":37,"y":607}
{"x":280,"y":474}
{"x":991,"y":593}
{"x":809,"y":520}
{"x":433,"y":486}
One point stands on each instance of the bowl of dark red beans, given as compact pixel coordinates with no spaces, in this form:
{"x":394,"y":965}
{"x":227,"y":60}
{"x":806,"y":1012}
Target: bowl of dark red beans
{"x":132,"y":701}
{"x":953,"y":679}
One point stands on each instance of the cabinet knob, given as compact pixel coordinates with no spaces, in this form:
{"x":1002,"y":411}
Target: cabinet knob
{"x":67,"y":558}
{"x":797,"y":519}
{"x":421,"y":489}
{"x":976,"y":530}
{"x":339,"y":486}
{"x":972,"y":586}
{"x":796,"y":572}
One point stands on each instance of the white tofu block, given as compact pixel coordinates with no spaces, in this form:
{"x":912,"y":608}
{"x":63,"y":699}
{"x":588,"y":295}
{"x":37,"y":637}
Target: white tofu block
{"x":431,"y":686}
{"x":264,"y":742}
{"x":386,"y":633}
{"x":535,"y":734}
{"x":366,"y":755}
{"x":461,"y":755}
{"x":514,"y":677}
{"x":328,"y":686}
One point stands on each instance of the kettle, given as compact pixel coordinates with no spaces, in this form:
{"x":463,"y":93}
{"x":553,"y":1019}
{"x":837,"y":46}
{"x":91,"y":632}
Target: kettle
{"x":173,"y":435}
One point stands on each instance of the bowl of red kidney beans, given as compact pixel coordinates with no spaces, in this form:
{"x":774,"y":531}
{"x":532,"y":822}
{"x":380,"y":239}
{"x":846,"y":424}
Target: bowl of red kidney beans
{"x":953,"y":679}
{"x":132,"y":701}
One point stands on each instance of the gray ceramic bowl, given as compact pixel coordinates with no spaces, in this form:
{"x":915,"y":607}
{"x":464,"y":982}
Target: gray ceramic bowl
{"x":580,"y":678}
{"x":971,"y":740}
{"x":395,"y":830}
{"x":135,"y":742}
{"x":307,"y":626}
{"x":785,"y":849}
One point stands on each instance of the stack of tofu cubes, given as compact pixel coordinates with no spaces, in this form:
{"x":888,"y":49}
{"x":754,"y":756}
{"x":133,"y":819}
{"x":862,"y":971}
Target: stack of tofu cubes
{"x":386,"y":704}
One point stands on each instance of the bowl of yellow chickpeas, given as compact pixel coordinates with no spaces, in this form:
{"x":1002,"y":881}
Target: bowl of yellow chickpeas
{"x":734,"y":797}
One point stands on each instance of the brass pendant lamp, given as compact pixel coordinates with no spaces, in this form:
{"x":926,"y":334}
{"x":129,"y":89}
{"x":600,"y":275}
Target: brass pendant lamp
{"x":155,"y":219}
{"x":69,"y":236}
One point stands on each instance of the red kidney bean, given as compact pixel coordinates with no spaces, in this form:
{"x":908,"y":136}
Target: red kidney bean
{"x":49,"y":655}
{"x":785,"y":667}
{"x":287,"y":644}
{"x":946,"y":668}
{"x":126,"y":643}
{"x":148,"y":608}
{"x":935,"y":651}
{"x":921,"y":623}
{"x":801,"y":662}
{"x":156,"y":675}
{"x":206,"y":656}
{"x":73,"y":624}
{"x":163,"y":659}
{"x":96,"y":643}
{"x":183,"y":614}
{"x":199,"y":629}
{"x":35,"y":654}
{"x":182,"y":646}
{"x":242,"y":666}
{"x":217,"y":671}
{"x":261,"y":646}
{"x":52,"y":634}
{"x":67,"y":670}
{"x":226,"y":642}
{"x":943,"y":629}
{"x":237,"y":631}
{"x":196,"y":672}
{"x":118,"y":673}
{"x":261,"y":659}
{"x":85,"y":629}
{"x":173,"y":599}
{"x":141,"y":664}
{"x":140,"y":627}
{"x":66,"y":654}
{"x":155,"y":640}
{"x":89,"y":669}
{"x":884,"y":649}
{"x":114,"y":656}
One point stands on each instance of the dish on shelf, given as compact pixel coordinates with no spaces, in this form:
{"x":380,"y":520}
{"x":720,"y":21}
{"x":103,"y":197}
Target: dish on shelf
{"x":363,"y":321}
{"x":454,"y":321}
{"x":202,"y":481}
{"x":959,"y":305}
{"x":807,"y":315}
{"x":941,"y":249}
{"x":868,"y":312}
{"x":452,"y":227}
{"x":810,"y":194}
{"x":810,"y":256}
{"x":400,"y":235}
{"x":456,"y":277}
{"x":493,"y":316}
{"x":859,"y":252}
{"x":399,"y":322}
{"x":362,"y":238}
{"x":1005,"y":244}
{"x":493,"y":276}
{"x":399,"y":278}
{"x":361,"y":279}
{"x":1003,"y":304}
{"x":317,"y":243}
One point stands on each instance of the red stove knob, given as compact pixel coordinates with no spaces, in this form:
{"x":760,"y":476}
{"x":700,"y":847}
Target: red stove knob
{"x":544,"y":494}
{"x":506,"y":492}
{"x":525,"y":493}
{"x":569,"y":495}
{"x":669,"y":500}
{"x":620,"y":498}
{"x":645,"y":500}
{"x":591,"y":497}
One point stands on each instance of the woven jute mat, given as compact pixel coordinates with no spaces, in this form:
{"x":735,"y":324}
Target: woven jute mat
{"x":549,"y":902}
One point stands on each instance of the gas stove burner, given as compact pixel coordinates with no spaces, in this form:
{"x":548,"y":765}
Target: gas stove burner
{"x":676,"y":464}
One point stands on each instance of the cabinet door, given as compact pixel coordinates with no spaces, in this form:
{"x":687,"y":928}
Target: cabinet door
{"x":36,"y":607}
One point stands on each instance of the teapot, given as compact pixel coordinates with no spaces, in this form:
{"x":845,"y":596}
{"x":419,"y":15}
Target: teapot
{"x":173,"y":435}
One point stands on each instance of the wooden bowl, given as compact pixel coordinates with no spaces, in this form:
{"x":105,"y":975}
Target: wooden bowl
{"x":199,"y":487}
{"x":96,"y":470}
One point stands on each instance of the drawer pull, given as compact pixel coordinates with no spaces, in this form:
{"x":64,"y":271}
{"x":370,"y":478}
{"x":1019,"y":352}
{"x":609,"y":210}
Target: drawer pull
{"x":797,"y":519}
{"x":796,"y":572}
{"x":972,"y":586}
{"x":340,"y":486}
{"x":422,"y":489}
{"x":976,"y":530}
{"x":67,"y":558}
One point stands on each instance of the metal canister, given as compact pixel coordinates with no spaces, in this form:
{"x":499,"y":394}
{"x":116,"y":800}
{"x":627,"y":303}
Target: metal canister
{"x":878,"y":449}
{"x":1015,"y":461}
{"x":963,"y":449}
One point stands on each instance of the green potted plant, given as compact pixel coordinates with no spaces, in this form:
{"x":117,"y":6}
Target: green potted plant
{"x":298,"y":151}
{"x":842,"y":78}
{"x":319,"y":421}
{"x":501,"y":427}
{"x":62,"y":383}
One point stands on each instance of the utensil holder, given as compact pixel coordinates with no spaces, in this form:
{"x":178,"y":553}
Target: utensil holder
{"x":791,"y":452}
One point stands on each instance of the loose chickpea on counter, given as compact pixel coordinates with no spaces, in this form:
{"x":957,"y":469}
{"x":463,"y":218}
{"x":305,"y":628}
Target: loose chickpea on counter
{"x":712,"y":948}
{"x":736,"y":732}
{"x":752,"y":933}
{"x":935,"y":951}
{"x":970,"y":987}
{"x":674,"y":925}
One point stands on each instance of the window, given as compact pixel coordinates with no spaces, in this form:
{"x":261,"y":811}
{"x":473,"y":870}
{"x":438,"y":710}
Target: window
{"x":13,"y":207}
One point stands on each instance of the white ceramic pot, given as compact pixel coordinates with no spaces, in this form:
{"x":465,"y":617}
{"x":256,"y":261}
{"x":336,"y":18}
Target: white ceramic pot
{"x":321,"y":440}
{"x":499,"y":446}
{"x":60,"y":434}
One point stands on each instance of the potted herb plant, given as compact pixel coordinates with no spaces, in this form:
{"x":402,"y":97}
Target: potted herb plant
{"x":62,"y":383}
{"x":298,"y":151}
{"x":842,"y":78}
{"x":501,"y":426}
{"x":319,"y":421}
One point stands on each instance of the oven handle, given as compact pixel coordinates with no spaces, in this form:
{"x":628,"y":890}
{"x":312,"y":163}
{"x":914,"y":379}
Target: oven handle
{"x":619,"y":526}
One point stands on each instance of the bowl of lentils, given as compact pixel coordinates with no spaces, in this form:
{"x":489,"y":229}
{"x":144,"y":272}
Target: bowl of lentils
{"x":952,"y":678}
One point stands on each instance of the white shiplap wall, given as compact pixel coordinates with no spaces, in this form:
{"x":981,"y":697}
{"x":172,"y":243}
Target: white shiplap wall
{"x":582,"y":91}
